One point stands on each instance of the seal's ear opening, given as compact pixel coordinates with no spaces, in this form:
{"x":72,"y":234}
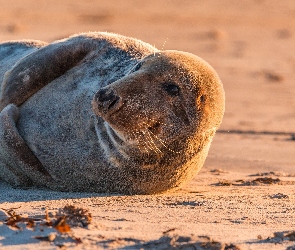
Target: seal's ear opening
{"x":172,"y":89}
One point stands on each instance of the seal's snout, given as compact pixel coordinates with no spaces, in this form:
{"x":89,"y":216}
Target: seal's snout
{"x":106,"y":101}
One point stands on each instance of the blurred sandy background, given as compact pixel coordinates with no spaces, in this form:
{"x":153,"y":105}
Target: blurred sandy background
{"x":250,"y":43}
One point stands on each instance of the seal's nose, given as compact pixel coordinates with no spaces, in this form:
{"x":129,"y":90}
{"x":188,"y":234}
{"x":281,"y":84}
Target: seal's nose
{"x":106,"y":101}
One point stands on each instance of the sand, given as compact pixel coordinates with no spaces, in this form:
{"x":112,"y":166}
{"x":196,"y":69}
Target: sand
{"x":244,"y":196}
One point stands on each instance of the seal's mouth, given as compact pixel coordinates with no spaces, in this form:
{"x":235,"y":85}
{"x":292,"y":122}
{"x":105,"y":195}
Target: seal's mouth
{"x":114,"y":135}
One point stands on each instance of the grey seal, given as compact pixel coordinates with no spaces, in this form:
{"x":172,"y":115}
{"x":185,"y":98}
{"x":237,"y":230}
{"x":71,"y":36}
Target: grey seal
{"x":101,"y":112}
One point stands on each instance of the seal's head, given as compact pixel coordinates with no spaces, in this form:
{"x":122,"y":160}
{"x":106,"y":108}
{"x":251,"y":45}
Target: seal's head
{"x":165,"y":111}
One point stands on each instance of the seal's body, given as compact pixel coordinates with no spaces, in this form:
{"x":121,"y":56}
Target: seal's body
{"x":105,"y":113}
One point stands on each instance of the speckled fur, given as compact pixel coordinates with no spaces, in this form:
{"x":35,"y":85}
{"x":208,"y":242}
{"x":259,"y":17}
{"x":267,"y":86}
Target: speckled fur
{"x":152,"y":142}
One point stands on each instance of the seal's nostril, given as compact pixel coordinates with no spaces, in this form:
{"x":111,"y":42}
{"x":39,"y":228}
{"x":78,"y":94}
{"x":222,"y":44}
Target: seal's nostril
{"x":113,"y":102}
{"x":104,"y":95}
{"x":106,"y":101}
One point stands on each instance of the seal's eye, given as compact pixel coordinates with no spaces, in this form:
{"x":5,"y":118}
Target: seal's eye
{"x":172,"y":89}
{"x":137,"y":67}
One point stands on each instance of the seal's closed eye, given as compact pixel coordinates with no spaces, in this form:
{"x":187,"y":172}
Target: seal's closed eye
{"x":172,"y":89}
{"x":137,"y":67}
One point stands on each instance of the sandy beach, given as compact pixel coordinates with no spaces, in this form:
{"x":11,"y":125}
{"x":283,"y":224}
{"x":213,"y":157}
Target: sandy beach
{"x":244,"y":196}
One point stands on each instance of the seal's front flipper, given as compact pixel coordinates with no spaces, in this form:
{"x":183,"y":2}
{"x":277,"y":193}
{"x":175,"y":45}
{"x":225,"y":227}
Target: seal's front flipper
{"x":18,"y":165}
{"x":39,"y":68}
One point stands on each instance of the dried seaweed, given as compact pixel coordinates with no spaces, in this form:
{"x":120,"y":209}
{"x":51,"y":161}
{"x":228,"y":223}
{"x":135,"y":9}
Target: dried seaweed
{"x":262,"y":180}
{"x":279,"y":237}
{"x":67,"y":217}
{"x":255,"y":182}
{"x":218,"y":171}
{"x":76,"y":216}
{"x":14,"y":218}
{"x":175,"y":241}
{"x":224,"y":183}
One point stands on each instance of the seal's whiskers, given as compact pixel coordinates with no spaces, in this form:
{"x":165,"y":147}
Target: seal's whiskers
{"x":152,"y":138}
{"x":162,"y":47}
{"x":148,"y":140}
{"x":153,"y":135}
{"x":140,"y":145}
{"x":145,"y":142}
{"x":149,"y":143}
{"x":164,"y":144}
